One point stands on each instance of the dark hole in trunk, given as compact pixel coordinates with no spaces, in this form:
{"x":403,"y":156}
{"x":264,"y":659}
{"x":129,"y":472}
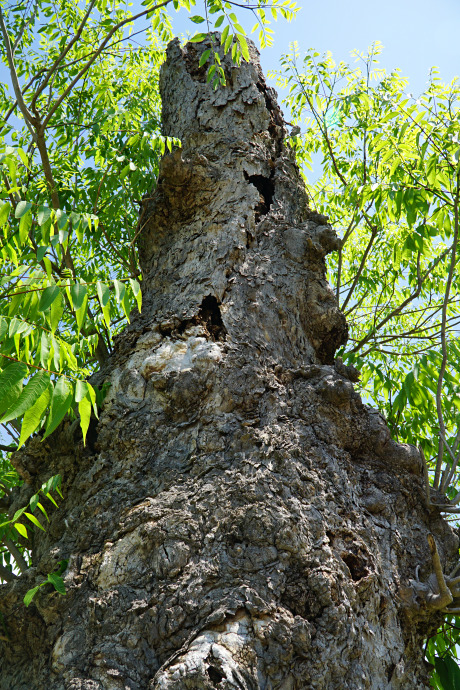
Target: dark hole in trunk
{"x":356,"y":566}
{"x":209,"y":315}
{"x":266,"y":189}
{"x":215,"y":675}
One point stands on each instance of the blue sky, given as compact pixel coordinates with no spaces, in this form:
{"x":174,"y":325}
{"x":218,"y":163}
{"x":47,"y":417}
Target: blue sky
{"x":416,"y":34}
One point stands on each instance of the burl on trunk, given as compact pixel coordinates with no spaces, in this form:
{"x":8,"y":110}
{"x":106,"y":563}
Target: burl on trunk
{"x":239,"y":518}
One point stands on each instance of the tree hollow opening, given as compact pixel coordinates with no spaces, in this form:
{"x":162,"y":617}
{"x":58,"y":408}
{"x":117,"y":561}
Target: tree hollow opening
{"x":266,"y":189}
{"x":215,"y":675}
{"x":210,"y":316}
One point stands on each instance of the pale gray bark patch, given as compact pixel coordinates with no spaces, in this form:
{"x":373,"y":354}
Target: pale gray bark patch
{"x":238,"y":519}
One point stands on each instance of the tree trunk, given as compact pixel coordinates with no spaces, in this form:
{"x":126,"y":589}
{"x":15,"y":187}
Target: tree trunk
{"x":239,"y":519}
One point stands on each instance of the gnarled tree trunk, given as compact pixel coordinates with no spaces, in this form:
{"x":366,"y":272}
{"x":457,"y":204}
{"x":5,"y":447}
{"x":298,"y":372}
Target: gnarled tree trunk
{"x":239,"y":518}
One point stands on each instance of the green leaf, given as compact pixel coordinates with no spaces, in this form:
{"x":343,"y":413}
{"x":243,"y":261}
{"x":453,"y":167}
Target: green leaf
{"x":23,"y":157}
{"x":80,"y":313}
{"x":49,"y":295}
{"x":50,"y":498}
{"x":244,"y":46}
{"x":448,"y":672}
{"x":120,"y":289}
{"x":84,"y":410}
{"x":204,"y":58}
{"x":22,"y":208}
{"x":224,"y":34}
{"x":29,"y":396}
{"x":21,"y":529}
{"x":18,"y":514}
{"x":103,"y":294}
{"x":11,"y":396}
{"x":211,"y":71}
{"x":56,"y":311}
{"x":31,"y":593}
{"x":17,"y":326}
{"x":45,"y":346}
{"x":44,"y":213}
{"x":196,"y":19}
{"x":4,"y":213}
{"x":56,"y":483}
{"x":34,"y":520}
{"x":228,"y":43}
{"x":13,"y":375}
{"x":197,"y":38}
{"x":43,"y":511}
{"x":60,"y":405}
{"x":136,"y":288}
{"x":34,"y":416}
{"x":81,"y":390}
{"x":57,"y":582}
{"x":24,"y":226}
{"x":77,"y":226}
{"x":34,"y":502}
{"x":41,"y":251}
{"x":62,"y":566}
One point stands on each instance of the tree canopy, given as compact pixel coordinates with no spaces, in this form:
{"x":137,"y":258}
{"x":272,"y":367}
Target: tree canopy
{"x":80,"y":144}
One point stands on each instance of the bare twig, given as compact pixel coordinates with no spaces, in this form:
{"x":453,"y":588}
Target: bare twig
{"x":8,"y":449}
{"x":24,"y":25}
{"x":425,"y":474}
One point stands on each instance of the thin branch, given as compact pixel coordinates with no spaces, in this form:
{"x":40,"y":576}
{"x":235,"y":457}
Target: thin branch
{"x":28,"y":117}
{"x":8,"y":449}
{"x":374,"y":231}
{"x":347,"y":234}
{"x":407,"y":301}
{"x":17,"y":555}
{"x":67,"y":65}
{"x":444,"y":597}
{"x":25,"y":24}
{"x":426,"y":477}
{"x":8,"y":576}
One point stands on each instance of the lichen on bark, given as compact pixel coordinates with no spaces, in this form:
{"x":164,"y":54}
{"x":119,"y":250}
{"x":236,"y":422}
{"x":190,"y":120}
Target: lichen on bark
{"x":239,"y":518}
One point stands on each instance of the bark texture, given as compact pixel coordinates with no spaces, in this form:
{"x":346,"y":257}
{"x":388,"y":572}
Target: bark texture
{"x":239,"y":518}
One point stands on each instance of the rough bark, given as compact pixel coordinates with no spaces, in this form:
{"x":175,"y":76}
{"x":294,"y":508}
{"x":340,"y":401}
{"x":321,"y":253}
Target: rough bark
{"x":239,"y":518}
